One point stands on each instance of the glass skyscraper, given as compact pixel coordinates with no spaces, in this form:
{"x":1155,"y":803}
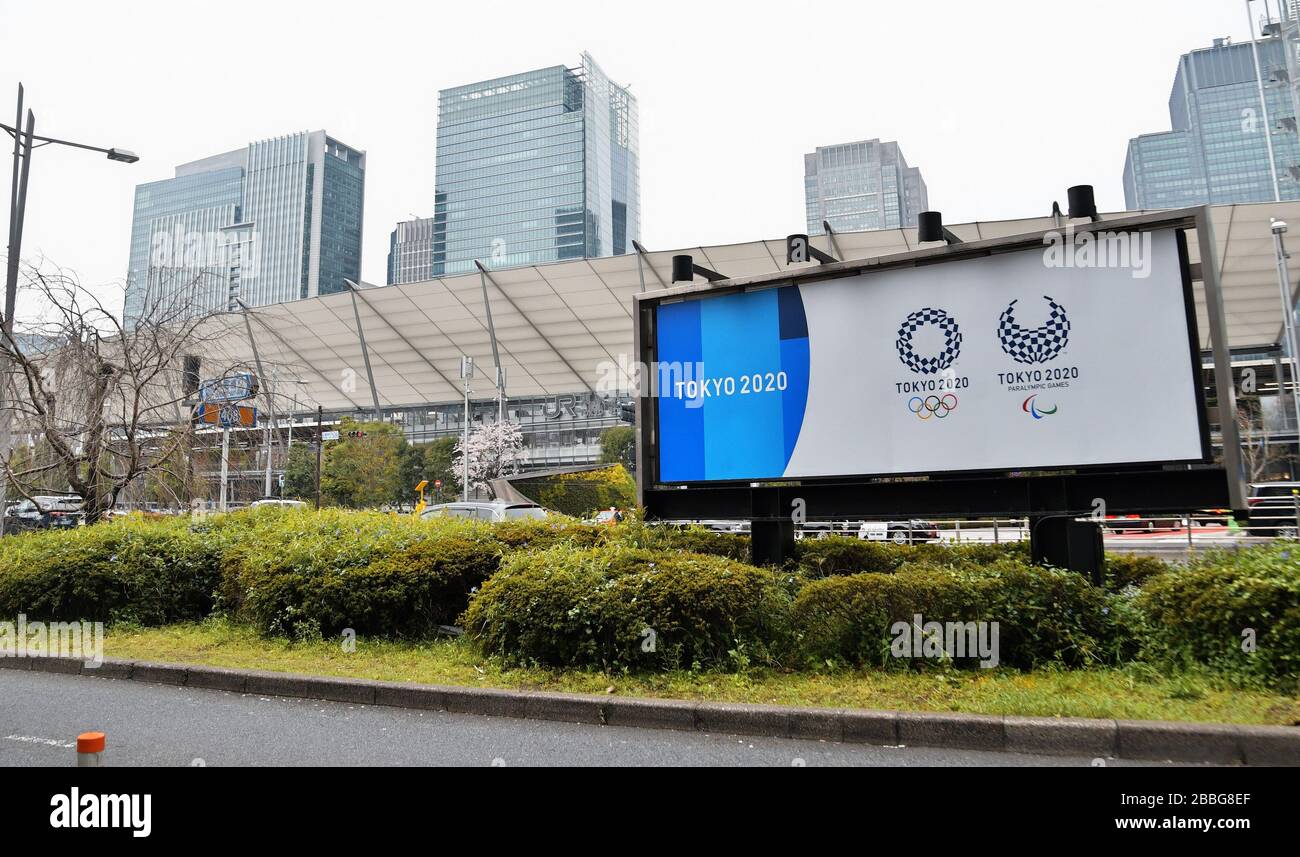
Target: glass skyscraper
{"x":862,"y":185}
{"x":535,"y":167}
{"x":276,"y":221}
{"x":1217,"y":150}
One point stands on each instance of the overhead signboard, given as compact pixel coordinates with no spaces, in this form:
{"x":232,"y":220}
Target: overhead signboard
{"x":225,"y":415}
{"x":232,"y":388}
{"x":1045,"y":357}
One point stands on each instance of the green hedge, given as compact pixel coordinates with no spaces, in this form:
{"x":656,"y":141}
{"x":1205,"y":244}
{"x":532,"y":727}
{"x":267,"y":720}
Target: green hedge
{"x":692,"y":539}
{"x":564,"y":593}
{"x":306,"y":574}
{"x":148,"y":572}
{"x":848,"y":555}
{"x":1202,"y":612}
{"x":595,"y":607}
{"x":1044,"y":615}
{"x":1123,"y":570}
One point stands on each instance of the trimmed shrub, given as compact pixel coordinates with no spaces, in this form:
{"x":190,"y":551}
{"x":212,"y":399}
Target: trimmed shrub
{"x":692,"y":539}
{"x":535,"y":534}
{"x":1202,"y":612}
{"x":1044,"y":615}
{"x":1123,"y":570}
{"x":848,"y":555}
{"x":594,"y":607}
{"x":306,"y":574}
{"x":845,"y":555}
{"x":148,"y":572}
{"x":1049,"y":615}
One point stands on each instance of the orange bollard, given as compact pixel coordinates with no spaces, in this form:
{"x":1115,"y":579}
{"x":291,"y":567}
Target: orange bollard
{"x":90,"y":750}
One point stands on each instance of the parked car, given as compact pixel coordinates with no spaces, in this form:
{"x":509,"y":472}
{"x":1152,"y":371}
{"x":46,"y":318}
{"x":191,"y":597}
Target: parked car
{"x":44,"y":512}
{"x":275,"y":501}
{"x":1273,"y":509}
{"x":607,"y":517}
{"x":496,"y":510}
{"x":910,"y":532}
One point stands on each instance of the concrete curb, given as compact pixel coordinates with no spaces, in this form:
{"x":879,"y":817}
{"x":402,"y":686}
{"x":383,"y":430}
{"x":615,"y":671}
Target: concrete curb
{"x":1064,"y":736}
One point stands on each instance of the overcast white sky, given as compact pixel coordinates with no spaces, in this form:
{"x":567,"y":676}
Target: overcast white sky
{"x":1001,"y":103}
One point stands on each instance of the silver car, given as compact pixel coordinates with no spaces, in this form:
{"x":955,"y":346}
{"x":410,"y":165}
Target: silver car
{"x":484,"y":510}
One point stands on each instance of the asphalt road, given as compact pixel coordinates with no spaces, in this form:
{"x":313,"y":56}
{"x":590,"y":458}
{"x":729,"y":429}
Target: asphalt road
{"x":147,"y":724}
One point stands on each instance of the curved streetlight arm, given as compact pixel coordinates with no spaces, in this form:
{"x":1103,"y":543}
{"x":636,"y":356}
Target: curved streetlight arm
{"x":114,"y":154}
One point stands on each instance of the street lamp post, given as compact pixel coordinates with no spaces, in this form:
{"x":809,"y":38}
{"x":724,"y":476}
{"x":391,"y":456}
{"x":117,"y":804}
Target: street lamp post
{"x":25,"y":140}
{"x":466,"y":374}
{"x":1288,"y":321}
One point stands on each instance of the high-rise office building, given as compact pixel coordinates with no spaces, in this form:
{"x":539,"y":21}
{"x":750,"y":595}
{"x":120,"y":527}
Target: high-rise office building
{"x":1218,"y":148}
{"x":862,"y":185}
{"x":276,"y":221}
{"x":410,"y":251}
{"x":535,"y":167}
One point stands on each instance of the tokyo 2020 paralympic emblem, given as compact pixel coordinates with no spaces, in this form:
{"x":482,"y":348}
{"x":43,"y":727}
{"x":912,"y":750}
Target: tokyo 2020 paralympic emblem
{"x":1034,"y":344}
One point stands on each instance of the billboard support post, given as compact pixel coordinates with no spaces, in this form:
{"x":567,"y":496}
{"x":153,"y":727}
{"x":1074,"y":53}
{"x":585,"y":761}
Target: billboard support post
{"x":771,"y":533}
{"x":1063,"y":542}
{"x":1225,"y":392}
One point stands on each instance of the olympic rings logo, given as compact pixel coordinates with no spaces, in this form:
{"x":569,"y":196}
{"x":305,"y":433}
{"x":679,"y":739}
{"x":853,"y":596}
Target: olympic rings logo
{"x":932,"y":406}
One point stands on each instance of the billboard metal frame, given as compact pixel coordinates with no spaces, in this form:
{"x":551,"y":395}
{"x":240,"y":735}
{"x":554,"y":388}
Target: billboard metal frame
{"x":1058,"y":491}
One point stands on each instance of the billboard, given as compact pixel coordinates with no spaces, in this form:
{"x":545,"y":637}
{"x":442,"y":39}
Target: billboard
{"x":225,"y":415}
{"x":1038,"y":358}
{"x":232,"y":388}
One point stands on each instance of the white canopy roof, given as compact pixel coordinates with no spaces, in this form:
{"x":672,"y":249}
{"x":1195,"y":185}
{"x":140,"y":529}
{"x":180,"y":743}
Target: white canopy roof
{"x":558,"y":324}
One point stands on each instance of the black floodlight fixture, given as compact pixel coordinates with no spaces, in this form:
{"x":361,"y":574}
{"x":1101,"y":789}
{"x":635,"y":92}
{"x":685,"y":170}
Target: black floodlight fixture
{"x":123,"y":155}
{"x":685,"y":270}
{"x":1082,"y":203}
{"x":929,"y":227}
{"x":798,"y":248}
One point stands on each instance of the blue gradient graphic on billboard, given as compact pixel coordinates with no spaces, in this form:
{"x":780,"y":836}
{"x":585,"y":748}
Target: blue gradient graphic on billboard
{"x":733,"y":385}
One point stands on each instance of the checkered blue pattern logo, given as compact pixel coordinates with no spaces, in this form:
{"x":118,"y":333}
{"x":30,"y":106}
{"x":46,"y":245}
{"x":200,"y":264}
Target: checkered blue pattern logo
{"x":1034,"y":344}
{"x":951,"y":341}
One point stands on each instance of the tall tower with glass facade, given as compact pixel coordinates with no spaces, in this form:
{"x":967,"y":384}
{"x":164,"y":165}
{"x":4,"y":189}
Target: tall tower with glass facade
{"x":276,"y":221}
{"x":535,"y":167}
{"x":862,"y":185}
{"x":410,"y":251}
{"x":1218,"y":148}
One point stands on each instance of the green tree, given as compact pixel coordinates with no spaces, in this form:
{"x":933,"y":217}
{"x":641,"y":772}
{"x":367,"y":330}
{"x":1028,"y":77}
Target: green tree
{"x":363,"y":471}
{"x":300,"y":474}
{"x":438,"y":466}
{"x":618,"y":446}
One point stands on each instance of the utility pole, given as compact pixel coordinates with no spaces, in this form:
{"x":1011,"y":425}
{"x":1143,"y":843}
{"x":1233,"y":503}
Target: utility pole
{"x":24,"y":142}
{"x":1288,"y":320}
{"x":270,"y":438}
{"x":320,"y":445}
{"x":1263,"y":103}
{"x":225,"y":465}
{"x":466,"y":373}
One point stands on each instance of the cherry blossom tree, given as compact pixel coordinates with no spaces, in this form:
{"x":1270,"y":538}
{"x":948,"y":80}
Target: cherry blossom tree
{"x":495,"y":450}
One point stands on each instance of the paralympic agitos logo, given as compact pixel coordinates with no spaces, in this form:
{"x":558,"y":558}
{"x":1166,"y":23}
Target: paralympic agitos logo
{"x":1032,"y":345}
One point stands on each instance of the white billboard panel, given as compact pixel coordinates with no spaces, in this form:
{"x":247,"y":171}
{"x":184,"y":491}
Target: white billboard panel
{"x":1052,"y":357}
